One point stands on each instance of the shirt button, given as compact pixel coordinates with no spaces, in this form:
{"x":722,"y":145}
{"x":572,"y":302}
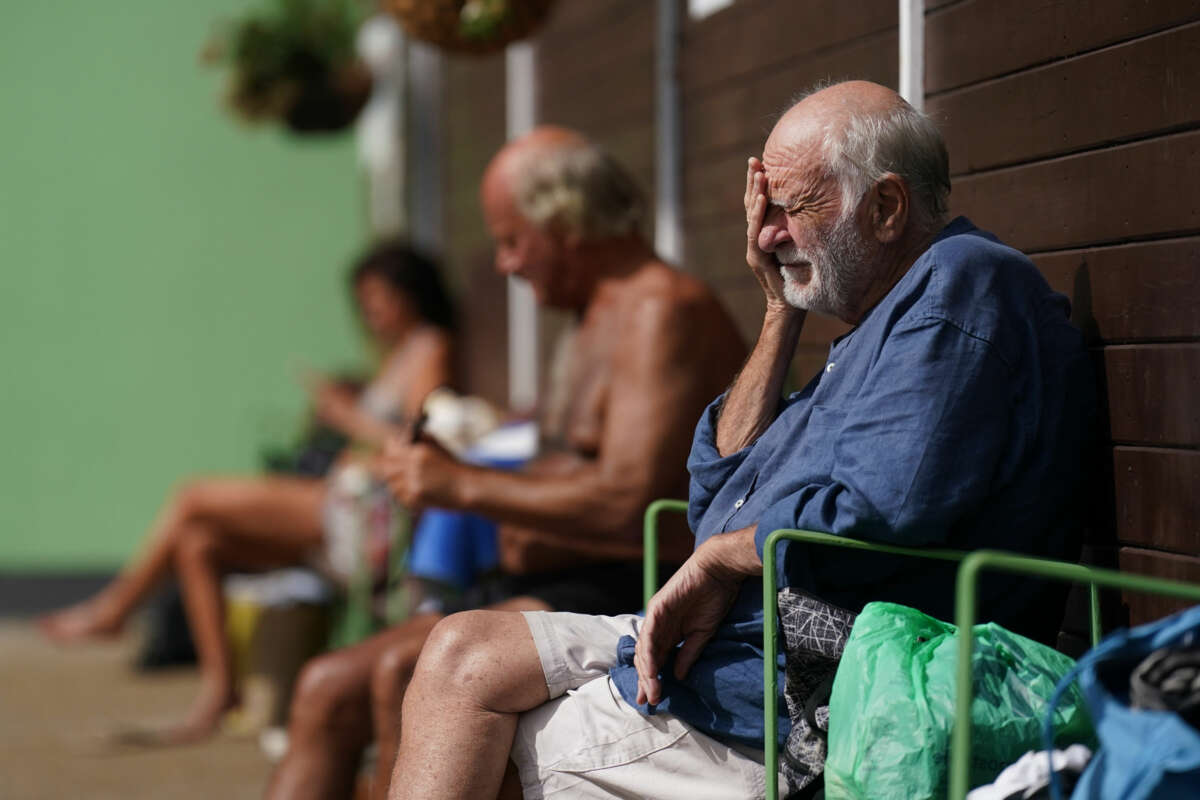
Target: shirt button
{"x":739,"y":503}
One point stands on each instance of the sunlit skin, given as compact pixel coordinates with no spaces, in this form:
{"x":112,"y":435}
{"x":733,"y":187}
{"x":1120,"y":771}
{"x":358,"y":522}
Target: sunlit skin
{"x":652,"y":347}
{"x":211,"y":526}
{"x":466,"y":709}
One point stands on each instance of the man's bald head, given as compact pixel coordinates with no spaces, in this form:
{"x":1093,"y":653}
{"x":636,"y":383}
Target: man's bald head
{"x":559,"y":180}
{"x":864,"y":131}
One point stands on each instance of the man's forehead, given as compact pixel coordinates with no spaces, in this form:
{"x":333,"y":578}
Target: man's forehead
{"x":792,"y":171}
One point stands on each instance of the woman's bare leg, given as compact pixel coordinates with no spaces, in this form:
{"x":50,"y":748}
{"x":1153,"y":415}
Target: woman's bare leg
{"x":210,"y":528}
{"x":286,"y":511}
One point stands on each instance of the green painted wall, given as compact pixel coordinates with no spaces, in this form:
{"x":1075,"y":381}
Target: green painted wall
{"x":163,"y":268}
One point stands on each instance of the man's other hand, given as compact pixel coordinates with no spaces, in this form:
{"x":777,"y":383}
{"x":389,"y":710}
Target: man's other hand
{"x":691,"y":606}
{"x":420,"y":474}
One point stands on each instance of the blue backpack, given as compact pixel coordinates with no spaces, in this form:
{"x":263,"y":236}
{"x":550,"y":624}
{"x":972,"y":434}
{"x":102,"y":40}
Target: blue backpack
{"x":1142,"y":753}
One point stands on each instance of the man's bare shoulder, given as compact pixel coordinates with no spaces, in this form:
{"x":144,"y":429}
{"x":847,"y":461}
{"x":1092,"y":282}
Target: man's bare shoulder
{"x":667,"y":309}
{"x":658,"y":288}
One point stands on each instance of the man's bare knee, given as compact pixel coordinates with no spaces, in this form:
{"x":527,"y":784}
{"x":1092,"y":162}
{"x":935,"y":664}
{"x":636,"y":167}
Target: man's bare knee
{"x":490,"y":655}
{"x":329,"y":690}
{"x":458,"y":644}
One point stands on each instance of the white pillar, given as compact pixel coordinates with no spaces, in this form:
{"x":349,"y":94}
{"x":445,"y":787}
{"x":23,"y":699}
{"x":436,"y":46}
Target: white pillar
{"x":668,"y":167}
{"x":912,"y":52}
{"x":425,"y":146}
{"x":521,"y":113}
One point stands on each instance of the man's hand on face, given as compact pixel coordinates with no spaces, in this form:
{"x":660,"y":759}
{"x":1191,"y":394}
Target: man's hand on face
{"x":689,"y":608}
{"x":421,"y":473}
{"x":763,"y":264}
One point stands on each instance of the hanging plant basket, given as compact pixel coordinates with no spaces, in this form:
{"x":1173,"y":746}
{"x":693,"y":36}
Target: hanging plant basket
{"x":294,"y":64}
{"x":469,"y":26}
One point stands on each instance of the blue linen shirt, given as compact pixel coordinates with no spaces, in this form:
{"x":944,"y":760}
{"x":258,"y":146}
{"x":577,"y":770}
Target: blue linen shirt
{"x":955,"y":414}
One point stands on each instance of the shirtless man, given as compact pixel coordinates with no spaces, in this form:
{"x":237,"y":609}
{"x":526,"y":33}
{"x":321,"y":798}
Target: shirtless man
{"x":652,"y":345}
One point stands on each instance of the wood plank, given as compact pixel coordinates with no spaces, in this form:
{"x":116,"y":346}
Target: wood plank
{"x":743,"y":112}
{"x":762,"y":35}
{"x":714,"y":191}
{"x":605,"y":105}
{"x":573,"y":18}
{"x":1152,"y":392}
{"x":1100,"y":197}
{"x":1157,"y":502}
{"x":976,"y":40}
{"x":716,"y":252}
{"x":1120,"y":93}
{"x":624,"y":46}
{"x":1143,"y":607}
{"x":1144,"y":291}
{"x":482,"y":357}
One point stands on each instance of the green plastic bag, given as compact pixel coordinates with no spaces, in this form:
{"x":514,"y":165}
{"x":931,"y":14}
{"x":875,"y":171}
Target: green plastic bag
{"x":892,"y":707}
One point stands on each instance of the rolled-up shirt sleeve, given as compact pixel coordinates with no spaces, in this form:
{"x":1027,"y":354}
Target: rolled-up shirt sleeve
{"x":920,"y":446}
{"x":709,"y":470}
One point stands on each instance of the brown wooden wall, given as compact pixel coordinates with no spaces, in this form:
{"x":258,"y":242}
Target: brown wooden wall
{"x":473,"y":125}
{"x":1074,"y":134}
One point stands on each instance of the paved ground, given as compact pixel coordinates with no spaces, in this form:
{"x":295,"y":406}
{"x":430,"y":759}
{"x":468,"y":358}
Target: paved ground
{"x":59,"y":709}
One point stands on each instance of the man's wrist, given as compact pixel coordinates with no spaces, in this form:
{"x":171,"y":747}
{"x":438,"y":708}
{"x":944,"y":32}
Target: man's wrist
{"x":463,"y":488}
{"x":783,"y":316}
{"x":732,"y":556}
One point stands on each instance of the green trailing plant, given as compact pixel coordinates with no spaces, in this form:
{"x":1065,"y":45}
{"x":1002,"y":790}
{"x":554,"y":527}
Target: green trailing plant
{"x":294,"y":61}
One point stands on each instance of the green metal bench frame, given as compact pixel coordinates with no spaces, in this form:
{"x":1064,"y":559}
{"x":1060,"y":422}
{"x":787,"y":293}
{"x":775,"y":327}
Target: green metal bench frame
{"x":971,"y":564}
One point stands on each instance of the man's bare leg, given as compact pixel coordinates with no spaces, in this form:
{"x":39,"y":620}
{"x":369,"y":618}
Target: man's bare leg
{"x":390,"y":682}
{"x":330,"y":720}
{"x":478,"y":672}
{"x":283,"y":514}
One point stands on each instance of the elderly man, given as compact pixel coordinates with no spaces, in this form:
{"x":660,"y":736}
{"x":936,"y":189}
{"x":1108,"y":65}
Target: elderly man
{"x":652,"y":344}
{"x":954,"y":413}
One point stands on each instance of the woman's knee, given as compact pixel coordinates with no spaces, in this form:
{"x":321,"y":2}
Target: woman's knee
{"x":195,"y":544}
{"x":190,"y":498}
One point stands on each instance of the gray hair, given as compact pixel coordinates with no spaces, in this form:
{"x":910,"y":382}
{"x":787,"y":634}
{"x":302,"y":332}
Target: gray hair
{"x":902,"y":141}
{"x":579,"y":188}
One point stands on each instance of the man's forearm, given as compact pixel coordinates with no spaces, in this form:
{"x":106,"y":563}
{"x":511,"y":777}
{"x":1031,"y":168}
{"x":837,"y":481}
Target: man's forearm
{"x":753,"y":401}
{"x":581,"y":503}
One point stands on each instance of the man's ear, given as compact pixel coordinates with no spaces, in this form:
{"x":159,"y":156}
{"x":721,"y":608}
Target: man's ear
{"x":889,"y":208}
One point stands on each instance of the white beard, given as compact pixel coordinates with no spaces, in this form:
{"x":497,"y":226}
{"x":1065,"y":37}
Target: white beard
{"x":837,"y":271}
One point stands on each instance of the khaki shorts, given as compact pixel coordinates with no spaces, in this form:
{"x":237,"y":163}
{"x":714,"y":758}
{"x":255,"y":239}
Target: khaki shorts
{"x":587,"y":742}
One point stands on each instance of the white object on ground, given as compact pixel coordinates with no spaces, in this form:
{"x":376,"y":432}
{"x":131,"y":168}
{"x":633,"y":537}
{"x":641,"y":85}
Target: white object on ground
{"x":1028,"y":774}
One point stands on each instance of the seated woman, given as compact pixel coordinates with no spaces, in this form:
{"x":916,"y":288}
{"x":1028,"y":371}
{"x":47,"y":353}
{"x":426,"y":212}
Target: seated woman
{"x":212,"y":526}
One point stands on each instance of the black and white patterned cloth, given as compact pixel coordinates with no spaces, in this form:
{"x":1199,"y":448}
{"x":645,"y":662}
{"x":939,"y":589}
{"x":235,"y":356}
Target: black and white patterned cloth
{"x":814,"y":636}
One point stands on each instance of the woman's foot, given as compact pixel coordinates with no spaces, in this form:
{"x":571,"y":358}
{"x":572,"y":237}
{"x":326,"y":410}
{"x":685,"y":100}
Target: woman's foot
{"x":81,"y":622}
{"x":202,"y":722}
{"x":206,"y":712}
